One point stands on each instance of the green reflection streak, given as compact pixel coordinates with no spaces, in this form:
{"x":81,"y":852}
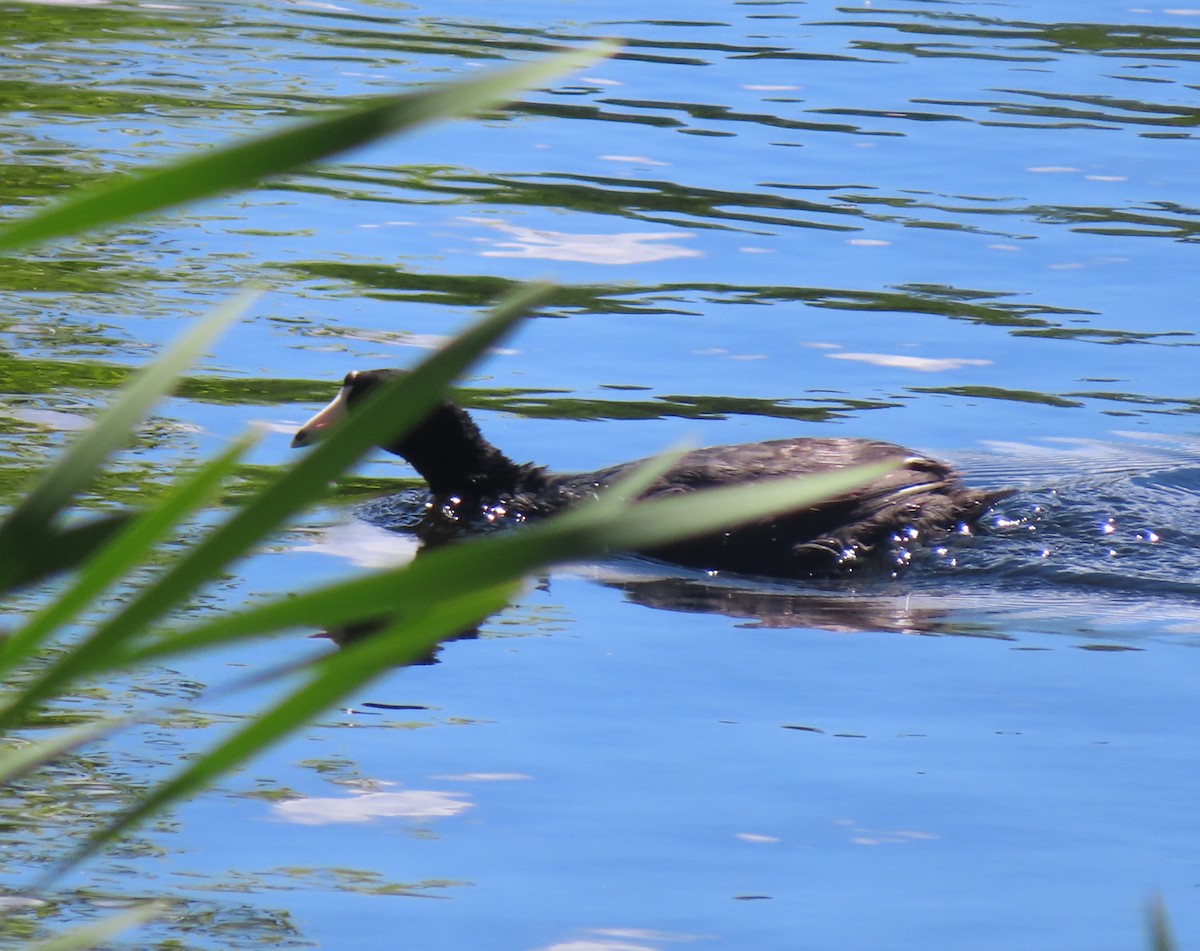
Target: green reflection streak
{"x":999,"y":393}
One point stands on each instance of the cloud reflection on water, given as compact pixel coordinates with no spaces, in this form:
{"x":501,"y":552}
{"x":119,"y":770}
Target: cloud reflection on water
{"x":409,"y":804}
{"x":616,"y":248}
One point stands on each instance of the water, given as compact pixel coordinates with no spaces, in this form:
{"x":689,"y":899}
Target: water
{"x":964,"y":227}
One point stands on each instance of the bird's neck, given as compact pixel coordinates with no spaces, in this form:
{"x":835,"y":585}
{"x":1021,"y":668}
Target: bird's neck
{"x":457,"y":462}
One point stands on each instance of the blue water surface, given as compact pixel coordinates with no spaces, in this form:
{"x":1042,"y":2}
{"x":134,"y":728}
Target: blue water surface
{"x":965,"y":227}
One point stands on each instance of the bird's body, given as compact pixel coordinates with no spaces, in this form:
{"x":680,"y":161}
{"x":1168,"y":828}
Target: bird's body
{"x":471,"y":482}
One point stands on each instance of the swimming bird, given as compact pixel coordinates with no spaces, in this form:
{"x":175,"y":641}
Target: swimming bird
{"x":473,"y":484}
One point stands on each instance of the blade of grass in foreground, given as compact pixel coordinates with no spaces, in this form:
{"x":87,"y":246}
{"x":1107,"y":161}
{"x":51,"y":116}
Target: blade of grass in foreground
{"x":30,"y":520}
{"x":97,"y":933}
{"x":244,"y":163}
{"x":15,"y":763}
{"x":400,"y":403}
{"x":590,"y":530}
{"x":120,"y":558}
{"x":63,"y":548}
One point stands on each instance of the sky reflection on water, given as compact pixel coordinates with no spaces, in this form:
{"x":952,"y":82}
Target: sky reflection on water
{"x":963,"y":227}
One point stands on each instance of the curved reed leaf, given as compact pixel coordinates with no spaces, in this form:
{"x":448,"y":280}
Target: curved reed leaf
{"x":97,"y":933}
{"x":60,"y":549}
{"x":15,"y":763}
{"x":592,"y":529}
{"x":125,"y":553}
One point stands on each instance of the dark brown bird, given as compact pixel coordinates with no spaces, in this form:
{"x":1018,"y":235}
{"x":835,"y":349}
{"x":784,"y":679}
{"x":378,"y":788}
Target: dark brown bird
{"x":473,"y":484}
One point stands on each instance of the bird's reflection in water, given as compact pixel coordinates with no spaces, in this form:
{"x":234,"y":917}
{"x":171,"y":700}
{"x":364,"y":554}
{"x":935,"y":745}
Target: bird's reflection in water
{"x":880,"y":605}
{"x":351,"y":633}
{"x":762,"y":606}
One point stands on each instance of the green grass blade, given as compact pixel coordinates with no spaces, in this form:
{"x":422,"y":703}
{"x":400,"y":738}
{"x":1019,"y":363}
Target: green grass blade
{"x":400,"y":404}
{"x":61,"y":549}
{"x":1161,"y":935}
{"x":235,"y":166}
{"x":97,"y":933}
{"x":125,"y":553}
{"x":292,"y":491}
{"x":334,"y":677}
{"x":75,"y":468}
{"x":635,"y":482}
{"x":672,"y":518}
{"x":591,"y":530}
{"x":15,"y":763}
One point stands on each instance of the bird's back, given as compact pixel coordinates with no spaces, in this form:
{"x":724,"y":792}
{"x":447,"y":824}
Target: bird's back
{"x":919,"y":497}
